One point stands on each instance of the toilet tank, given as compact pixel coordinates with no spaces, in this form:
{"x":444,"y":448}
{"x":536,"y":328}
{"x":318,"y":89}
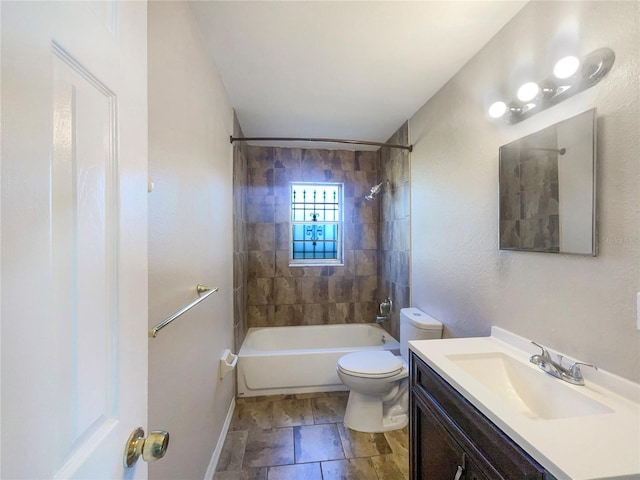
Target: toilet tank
{"x":417,"y":325}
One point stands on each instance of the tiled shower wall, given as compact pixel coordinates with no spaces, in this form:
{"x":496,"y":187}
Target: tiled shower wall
{"x":240,"y":251}
{"x":278,"y":294}
{"x":393,"y":231}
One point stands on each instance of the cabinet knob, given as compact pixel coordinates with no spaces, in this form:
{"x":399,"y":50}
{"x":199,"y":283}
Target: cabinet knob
{"x":459,"y":473}
{"x":461,"y":468}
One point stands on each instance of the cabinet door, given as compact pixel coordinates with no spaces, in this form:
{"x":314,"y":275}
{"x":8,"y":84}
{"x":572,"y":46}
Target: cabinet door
{"x":436,"y":455}
{"x":471,"y":471}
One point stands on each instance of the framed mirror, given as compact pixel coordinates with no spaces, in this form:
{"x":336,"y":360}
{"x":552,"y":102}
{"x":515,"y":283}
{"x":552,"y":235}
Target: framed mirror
{"x":547,"y":189}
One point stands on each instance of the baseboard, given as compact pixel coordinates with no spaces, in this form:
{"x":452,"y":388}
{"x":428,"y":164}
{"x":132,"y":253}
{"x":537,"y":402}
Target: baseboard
{"x":211,"y":469}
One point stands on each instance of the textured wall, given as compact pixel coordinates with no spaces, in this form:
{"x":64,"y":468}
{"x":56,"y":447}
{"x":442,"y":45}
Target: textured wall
{"x":283,"y":295}
{"x":394,"y":249}
{"x":190,"y":241}
{"x":582,"y":305}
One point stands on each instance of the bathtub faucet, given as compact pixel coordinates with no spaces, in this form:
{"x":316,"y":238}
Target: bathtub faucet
{"x":385,"y":310}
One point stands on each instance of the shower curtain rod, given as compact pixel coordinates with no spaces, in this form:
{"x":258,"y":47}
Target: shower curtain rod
{"x":328,"y":140}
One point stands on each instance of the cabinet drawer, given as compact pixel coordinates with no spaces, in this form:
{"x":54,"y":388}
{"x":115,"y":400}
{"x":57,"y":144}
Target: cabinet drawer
{"x":470,"y":427}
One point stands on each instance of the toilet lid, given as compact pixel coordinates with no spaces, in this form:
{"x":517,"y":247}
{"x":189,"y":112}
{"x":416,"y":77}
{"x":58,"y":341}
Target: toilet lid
{"x":370,"y":363}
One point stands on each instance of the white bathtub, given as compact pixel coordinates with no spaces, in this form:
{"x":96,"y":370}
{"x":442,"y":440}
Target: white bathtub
{"x":276,"y":360}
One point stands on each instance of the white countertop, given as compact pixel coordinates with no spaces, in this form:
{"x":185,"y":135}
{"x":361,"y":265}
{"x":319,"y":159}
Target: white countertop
{"x":601,"y":446}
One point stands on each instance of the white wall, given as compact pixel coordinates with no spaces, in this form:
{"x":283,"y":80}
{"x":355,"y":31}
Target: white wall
{"x":581,"y":305}
{"x":190,"y":241}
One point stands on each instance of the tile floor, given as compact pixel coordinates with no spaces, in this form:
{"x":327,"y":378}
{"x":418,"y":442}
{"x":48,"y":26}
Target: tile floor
{"x":302,"y":437}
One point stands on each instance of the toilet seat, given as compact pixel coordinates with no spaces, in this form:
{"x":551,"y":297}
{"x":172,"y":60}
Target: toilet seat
{"x":370,"y":364}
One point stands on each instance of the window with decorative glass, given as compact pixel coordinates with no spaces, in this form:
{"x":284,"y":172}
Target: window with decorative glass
{"x":316,"y":224}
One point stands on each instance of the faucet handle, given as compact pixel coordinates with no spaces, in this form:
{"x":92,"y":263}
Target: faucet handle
{"x":385,"y":307}
{"x":575,"y":369}
{"x":545,"y":354}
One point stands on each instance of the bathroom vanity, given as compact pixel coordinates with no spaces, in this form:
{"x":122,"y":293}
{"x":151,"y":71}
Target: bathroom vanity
{"x":448,"y":435}
{"x":480,"y":410}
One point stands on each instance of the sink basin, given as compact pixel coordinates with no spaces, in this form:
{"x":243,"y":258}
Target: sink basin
{"x":529,"y":390}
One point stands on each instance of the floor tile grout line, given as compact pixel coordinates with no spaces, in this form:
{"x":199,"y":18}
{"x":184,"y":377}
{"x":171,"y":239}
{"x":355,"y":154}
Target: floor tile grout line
{"x":344,"y":452}
{"x":275,"y":403}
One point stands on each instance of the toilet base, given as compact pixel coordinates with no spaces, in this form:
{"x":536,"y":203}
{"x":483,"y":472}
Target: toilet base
{"x":367,"y":413}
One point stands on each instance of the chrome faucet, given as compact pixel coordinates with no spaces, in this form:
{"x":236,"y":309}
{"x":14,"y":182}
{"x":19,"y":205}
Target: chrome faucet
{"x":572,"y":374}
{"x":385,"y":310}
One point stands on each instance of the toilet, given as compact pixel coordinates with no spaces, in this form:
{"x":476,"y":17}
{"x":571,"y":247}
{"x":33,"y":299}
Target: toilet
{"x":377,"y":379}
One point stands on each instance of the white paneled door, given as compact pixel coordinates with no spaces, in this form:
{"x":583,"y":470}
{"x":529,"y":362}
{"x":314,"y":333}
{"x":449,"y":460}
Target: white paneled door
{"x":73,"y":237}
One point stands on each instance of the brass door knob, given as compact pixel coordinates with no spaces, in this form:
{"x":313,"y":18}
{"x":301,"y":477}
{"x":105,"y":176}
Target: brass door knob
{"x":151,"y":448}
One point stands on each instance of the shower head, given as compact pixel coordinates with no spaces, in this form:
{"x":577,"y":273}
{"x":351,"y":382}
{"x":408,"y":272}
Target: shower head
{"x":375,"y":191}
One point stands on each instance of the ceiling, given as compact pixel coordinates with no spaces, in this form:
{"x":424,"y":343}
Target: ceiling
{"x":338,"y":69}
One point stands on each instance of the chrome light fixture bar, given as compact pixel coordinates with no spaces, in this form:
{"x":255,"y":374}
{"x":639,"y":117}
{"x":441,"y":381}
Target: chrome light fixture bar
{"x":571,"y":75}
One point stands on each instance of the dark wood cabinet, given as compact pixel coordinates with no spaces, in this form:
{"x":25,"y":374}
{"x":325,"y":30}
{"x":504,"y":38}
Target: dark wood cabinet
{"x":451,"y":440}
{"x":439,"y":455}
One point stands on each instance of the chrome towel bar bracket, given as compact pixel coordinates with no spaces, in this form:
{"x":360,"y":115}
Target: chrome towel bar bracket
{"x":203,"y":292}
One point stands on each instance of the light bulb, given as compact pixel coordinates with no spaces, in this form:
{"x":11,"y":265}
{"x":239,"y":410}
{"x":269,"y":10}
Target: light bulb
{"x":497,"y":109}
{"x":528,"y":91}
{"x":566,"y":67}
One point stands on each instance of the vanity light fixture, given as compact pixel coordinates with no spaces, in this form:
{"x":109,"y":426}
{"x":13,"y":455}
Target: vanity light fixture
{"x":497,"y":109}
{"x":528,"y":91}
{"x":571,"y":75}
{"x":566,"y":67}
